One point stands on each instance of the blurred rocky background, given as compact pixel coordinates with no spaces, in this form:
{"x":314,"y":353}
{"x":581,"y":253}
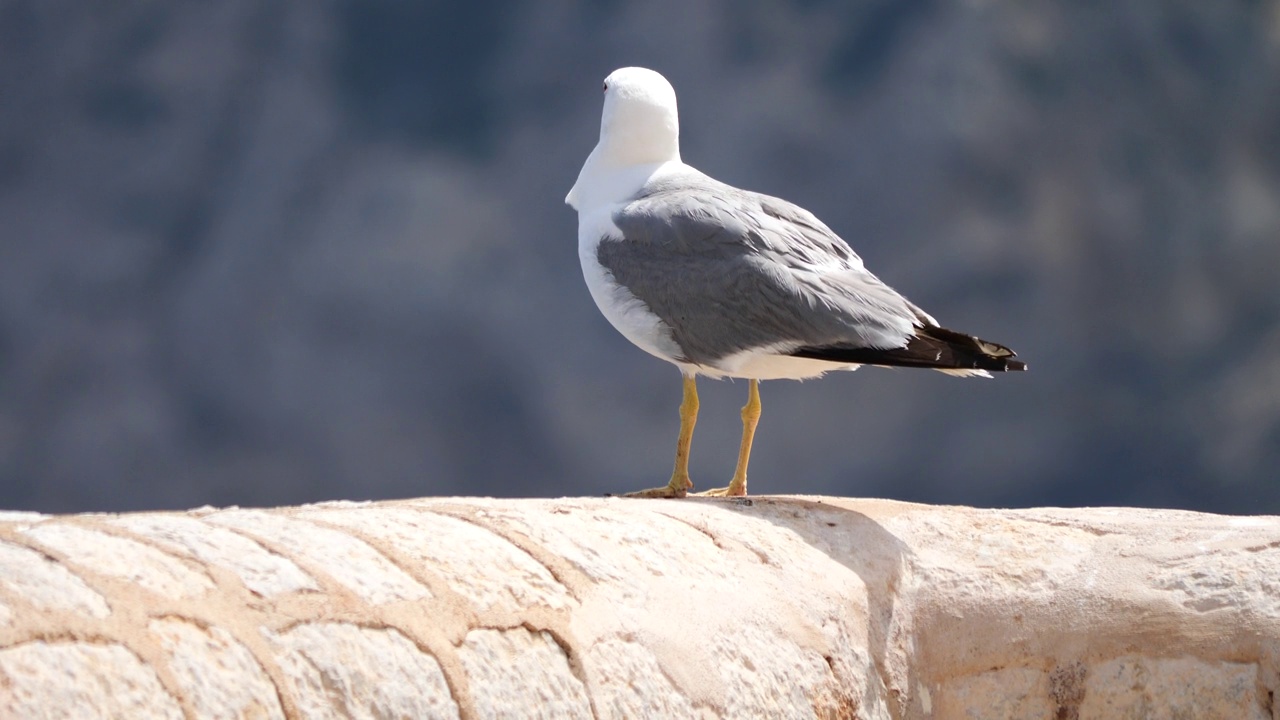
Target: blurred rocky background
{"x":258,"y":252}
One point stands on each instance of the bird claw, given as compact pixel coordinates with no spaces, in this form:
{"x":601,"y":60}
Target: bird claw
{"x":723,"y":492}
{"x":666,"y":491}
{"x":673,"y":489}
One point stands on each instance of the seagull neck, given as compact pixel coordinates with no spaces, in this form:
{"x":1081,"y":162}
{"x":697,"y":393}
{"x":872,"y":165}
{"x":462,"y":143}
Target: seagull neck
{"x":638,"y":146}
{"x":639,"y":132}
{"x":605,"y":181}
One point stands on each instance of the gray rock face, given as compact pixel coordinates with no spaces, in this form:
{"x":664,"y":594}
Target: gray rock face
{"x":774,"y":607}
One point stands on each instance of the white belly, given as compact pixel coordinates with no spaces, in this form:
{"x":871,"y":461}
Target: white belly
{"x":624,"y":311}
{"x":763,"y":364}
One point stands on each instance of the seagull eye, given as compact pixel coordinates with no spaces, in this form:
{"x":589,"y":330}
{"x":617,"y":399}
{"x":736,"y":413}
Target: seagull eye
{"x":606,"y":87}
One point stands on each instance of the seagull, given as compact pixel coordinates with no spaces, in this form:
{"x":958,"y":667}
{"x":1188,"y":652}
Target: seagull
{"x":728,"y":283}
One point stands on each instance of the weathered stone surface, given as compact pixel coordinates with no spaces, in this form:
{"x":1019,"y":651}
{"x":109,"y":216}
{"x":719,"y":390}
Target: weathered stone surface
{"x":218,"y":676}
{"x":80,"y":680}
{"x":1140,"y":687}
{"x":489,"y":571}
{"x":613,"y":608}
{"x":128,"y":560}
{"x":629,"y":682}
{"x":263,"y":572}
{"x":35,"y":579}
{"x":348,"y":560}
{"x":521,"y":673}
{"x":343,"y":670}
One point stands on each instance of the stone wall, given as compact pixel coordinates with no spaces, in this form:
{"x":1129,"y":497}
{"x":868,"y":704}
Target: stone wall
{"x":611,"y":608}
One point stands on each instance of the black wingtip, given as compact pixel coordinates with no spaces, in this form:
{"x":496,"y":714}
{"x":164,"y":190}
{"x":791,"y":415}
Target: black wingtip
{"x":1014,"y":366}
{"x":933,"y":347}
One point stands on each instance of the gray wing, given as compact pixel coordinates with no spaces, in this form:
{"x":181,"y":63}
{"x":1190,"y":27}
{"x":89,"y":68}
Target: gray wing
{"x":728,"y":270}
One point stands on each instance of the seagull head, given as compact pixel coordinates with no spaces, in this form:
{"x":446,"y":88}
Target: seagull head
{"x":639,"y":125}
{"x":639,"y":131}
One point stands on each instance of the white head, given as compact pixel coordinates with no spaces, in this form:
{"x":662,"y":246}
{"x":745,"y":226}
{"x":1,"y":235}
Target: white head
{"x":639,"y":124}
{"x":639,"y":129}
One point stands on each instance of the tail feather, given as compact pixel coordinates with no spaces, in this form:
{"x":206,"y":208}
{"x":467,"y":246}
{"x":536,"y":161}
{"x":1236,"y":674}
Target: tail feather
{"x":932,"y":347}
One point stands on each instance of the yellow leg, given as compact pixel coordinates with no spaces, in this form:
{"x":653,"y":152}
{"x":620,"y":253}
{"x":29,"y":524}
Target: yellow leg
{"x":680,"y":483}
{"x":750,"y":418}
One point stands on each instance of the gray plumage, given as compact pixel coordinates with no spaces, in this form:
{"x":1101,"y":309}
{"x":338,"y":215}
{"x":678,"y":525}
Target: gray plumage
{"x":728,"y":270}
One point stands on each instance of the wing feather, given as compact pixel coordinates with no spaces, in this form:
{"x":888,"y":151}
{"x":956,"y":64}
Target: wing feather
{"x":729,"y":270}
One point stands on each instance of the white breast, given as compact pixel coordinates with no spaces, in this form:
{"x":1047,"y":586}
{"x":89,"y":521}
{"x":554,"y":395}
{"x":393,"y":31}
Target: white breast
{"x":624,"y":311}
